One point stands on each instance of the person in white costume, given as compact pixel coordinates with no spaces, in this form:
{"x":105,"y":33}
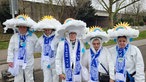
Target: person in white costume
{"x":127,"y":58}
{"x":97,"y":58}
{"x":70,"y":51}
{"x":21,"y":49}
{"x":46,"y":46}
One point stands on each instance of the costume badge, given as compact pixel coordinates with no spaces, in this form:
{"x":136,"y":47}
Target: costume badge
{"x":120,"y":59}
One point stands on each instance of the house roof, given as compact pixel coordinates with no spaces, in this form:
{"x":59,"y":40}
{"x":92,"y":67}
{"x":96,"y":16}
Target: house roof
{"x":56,"y":2}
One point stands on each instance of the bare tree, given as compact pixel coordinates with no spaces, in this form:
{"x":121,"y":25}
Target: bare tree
{"x":108,"y":6}
{"x":60,"y":9}
{"x":135,"y":10}
{"x":63,"y":9}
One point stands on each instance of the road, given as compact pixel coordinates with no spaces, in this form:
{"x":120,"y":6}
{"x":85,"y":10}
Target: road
{"x":143,"y":51}
{"x":39,"y":74}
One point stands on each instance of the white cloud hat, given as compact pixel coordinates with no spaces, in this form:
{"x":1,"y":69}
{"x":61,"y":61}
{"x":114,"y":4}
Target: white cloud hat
{"x":96,"y":32}
{"x":20,"y":20}
{"x":72,"y":25}
{"x":47,"y":22}
{"x":123,"y":29}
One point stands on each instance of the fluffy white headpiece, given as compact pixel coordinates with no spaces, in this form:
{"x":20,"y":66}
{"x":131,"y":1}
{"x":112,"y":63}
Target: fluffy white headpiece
{"x":96,"y":32}
{"x":123,"y":29}
{"x":20,"y":20}
{"x":72,"y":25}
{"x":47,"y":22}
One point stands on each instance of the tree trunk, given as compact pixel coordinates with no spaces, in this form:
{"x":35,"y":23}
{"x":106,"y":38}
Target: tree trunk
{"x":110,"y":11}
{"x":110,"y":18}
{"x":111,"y":24}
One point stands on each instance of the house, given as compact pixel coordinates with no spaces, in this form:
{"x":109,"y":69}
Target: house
{"x":38,"y":8}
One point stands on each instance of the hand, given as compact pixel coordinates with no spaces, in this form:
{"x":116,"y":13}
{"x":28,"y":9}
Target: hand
{"x":112,"y":80}
{"x":62,"y":76}
{"x":11,"y":64}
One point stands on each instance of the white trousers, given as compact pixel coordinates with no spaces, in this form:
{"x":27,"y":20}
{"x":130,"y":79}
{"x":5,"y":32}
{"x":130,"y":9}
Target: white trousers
{"x":49,"y":74}
{"x":27,"y":73}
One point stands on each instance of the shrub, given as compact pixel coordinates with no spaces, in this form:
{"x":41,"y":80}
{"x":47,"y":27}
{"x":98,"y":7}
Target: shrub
{"x":141,"y":23}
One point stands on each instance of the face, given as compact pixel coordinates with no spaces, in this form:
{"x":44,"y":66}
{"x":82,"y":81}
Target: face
{"x":96,"y":44}
{"x":22,"y":30}
{"x":122,"y":41}
{"x":72,"y":36}
{"x":48,"y":31}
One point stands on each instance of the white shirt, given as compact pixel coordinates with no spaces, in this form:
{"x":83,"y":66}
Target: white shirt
{"x":134,"y":62}
{"x":40,"y":48}
{"x":14,"y":47}
{"x":59,"y":61}
{"x":104,"y":58}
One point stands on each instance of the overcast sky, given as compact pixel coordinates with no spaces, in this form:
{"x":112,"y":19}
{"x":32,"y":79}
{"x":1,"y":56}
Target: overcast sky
{"x":54,"y":1}
{"x":141,"y":2}
{"x":99,"y":7}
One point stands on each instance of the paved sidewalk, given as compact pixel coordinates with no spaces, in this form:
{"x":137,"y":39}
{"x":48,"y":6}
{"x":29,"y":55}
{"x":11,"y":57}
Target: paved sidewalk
{"x":3,"y":55}
{"x":136,"y":43}
{"x":37,"y":66}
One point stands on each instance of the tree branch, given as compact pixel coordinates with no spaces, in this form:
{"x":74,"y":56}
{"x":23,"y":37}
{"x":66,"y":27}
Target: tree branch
{"x":121,"y":4}
{"x":115,"y":1}
{"x":129,"y":4}
{"x":104,"y":5}
{"x":124,"y":6}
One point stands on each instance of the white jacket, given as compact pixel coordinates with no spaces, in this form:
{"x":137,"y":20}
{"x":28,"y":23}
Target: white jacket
{"x":134,"y":62}
{"x":59,"y":61}
{"x":14,"y":47}
{"x":104,"y":58}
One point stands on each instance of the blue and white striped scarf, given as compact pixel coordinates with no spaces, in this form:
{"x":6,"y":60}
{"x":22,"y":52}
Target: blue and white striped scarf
{"x":94,"y":65}
{"x":68,"y":69}
{"x":22,"y":51}
{"x":121,"y":64}
{"x":47,"y":46}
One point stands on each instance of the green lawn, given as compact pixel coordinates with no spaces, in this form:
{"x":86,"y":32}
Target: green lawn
{"x":142,"y":35}
{"x":4,"y":39}
{"x":110,"y":42}
{"x":37,"y":55}
{"x":4,"y":43}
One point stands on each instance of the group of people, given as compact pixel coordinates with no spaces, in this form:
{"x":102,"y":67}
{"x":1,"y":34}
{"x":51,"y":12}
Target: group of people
{"x":65,"y":55}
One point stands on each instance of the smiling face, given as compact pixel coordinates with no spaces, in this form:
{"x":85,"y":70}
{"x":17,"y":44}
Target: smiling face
{"x":22,"y":30}
{"x":48,"y":31}
{"x":96,"y":44}
{"x":72,"y":36}
{"x":122,"y":41}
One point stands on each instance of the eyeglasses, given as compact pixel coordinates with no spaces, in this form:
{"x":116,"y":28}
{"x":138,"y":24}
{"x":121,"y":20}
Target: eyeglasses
{"x":72,"y":33}
{"x":96,"y":43}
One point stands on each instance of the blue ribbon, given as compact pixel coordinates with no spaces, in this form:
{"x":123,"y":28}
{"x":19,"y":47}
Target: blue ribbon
{"x":68,"y":69}
{"x":22,"y":48}
{"x":121,"y":61}
{"x":47,"y":46}
{"x":94,"y":65}
{"x":78,"y":65}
